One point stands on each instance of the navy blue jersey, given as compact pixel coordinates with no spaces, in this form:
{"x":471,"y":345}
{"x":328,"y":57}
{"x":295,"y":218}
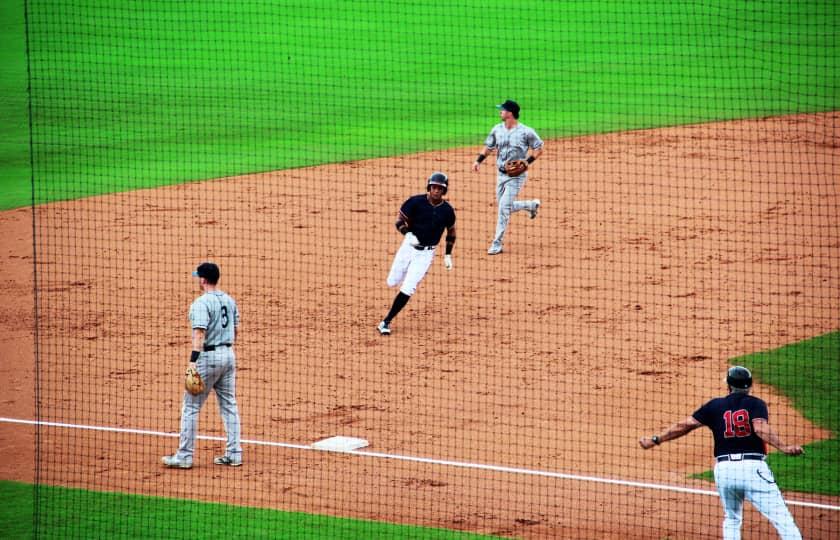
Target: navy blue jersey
{"x":426,"y":221}
{"x":731,"y":420}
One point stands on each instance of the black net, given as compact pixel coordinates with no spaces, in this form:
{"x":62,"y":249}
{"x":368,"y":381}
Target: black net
{"x":681,"y":216}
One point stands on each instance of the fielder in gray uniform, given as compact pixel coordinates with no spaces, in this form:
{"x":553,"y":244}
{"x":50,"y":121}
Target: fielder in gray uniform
{"x":214,"y":319}
{"x":511,"y":140}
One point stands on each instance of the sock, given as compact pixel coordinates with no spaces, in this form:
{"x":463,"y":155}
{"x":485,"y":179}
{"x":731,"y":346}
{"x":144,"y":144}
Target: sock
{"x":399,"y":302}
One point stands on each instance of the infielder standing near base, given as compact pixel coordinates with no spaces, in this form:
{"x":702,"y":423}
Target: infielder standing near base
{"x":422,"y":219}
{"x":741,"y":430}
{"x":511,"y":140}
{"x":214,"y":318}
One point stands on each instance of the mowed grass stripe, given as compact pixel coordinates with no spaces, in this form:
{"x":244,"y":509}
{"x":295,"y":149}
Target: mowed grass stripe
{"x":78,"y":513}
{"x":126,"y":97}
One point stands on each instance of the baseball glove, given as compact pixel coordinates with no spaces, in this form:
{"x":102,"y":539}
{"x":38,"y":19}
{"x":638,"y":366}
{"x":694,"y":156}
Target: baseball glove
{"x":193,"y":382}
{"x":515,"y":167}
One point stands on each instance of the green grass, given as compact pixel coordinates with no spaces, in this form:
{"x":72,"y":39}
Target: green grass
{"x":125,"y":97}
{"x":78,"y":513}
{"x":15,"y":177}
{"x":808,"y":373}
{"x":16,"y":510}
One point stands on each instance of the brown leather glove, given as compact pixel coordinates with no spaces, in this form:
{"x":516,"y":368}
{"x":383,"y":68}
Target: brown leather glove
{"x":192,"y":381}
{"x":515,"y":167}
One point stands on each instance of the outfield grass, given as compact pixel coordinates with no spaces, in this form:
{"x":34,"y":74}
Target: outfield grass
{"x":808,"y":373}
{"x":66,"y":512}
{"x":136,"y":96}
{"x":15,"y":176}
{"x":127,"y":97}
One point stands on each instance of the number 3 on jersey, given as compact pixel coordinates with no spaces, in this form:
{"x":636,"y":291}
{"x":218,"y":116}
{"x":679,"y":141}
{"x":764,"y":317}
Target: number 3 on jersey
{"x":737,"y":424}
{"x":226,"y":320}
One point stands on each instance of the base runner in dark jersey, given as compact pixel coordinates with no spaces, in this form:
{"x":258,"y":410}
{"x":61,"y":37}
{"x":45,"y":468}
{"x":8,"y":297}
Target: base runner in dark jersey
{"x":422,"y":220}
{"x":741,"y":429}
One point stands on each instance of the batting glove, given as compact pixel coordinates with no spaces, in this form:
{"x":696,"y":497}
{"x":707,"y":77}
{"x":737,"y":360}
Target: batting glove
{"x":447,"y":261}
{"x":412,"y":239}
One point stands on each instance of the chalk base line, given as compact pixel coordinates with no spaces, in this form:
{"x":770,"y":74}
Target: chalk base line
{"x":417,"y":459}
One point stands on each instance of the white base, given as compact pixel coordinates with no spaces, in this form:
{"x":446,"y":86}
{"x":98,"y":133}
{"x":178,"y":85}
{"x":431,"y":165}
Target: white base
{"x":340,"y":444}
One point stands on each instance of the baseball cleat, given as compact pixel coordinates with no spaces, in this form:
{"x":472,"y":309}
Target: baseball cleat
{"x":227,"y":460}
{"x":384,"y":328}
{"x":174,"y":462}
{"x":495,"y":249}
{"x":535,"y":208}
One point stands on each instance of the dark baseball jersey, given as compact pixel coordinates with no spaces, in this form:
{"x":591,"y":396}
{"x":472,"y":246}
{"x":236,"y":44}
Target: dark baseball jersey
{"x":427,"y":221}
{"x":731,"y":420}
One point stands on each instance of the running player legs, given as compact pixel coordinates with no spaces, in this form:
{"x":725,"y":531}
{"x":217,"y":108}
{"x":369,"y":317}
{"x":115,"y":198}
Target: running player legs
{"x":399,"y":267}
{"x":416,"y":271}
{"x":766,"y":497}
{"x":730,"y":484}
{"x":507,"y":189}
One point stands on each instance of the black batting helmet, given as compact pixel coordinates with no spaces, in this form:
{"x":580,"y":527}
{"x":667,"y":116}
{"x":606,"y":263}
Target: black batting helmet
{"x":438,"y":179}
{"x":739,"y":377}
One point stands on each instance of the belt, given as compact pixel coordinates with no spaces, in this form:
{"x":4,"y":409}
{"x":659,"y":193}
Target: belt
{"x":739,"y":457}
{"x":423,"y":248}
{"x":214,"y":347}
{"x":503,"y":171}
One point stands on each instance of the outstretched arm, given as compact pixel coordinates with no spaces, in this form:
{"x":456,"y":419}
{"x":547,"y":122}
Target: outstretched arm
{"x":762,"y":429}
{"x":535,"y":153}
{"x":481,"y":157}
{"x":674,"y":432}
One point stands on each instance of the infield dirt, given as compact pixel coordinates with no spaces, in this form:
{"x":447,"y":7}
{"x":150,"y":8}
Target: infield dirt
{"x":656,"y":257}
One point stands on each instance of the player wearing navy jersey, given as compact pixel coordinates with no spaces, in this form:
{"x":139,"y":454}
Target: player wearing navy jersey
{"x":422,"y":219}
{"x":214,"y":318}
{"x":741,"y":429}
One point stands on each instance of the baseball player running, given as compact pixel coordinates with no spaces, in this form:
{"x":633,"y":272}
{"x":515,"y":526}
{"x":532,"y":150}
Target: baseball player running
{"x":511,"y":140}
{"x":739,"y":423}
{"x":214,"y":318}
{"x":422,"y":219}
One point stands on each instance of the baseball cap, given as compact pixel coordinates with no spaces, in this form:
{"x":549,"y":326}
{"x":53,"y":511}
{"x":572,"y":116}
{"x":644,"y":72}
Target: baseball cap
{"x":208,"y":271}
{"x":510,"y":106}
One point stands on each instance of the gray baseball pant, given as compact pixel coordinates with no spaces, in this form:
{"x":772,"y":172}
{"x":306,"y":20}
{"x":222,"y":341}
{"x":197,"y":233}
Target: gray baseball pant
{"x":218,"y":371}
{"x":507,"y":189}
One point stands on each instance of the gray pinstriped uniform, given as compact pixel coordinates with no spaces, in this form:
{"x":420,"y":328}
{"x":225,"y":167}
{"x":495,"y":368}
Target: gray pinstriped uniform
{"x":216,"y":313}
{"x":510,"y":144}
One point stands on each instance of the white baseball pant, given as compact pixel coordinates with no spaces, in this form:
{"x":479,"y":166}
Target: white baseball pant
{"x":409,"y":267}
{"x":753,"y":481}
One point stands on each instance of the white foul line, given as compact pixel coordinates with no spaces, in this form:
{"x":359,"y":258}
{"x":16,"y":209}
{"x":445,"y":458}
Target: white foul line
{"x":462,"y":464}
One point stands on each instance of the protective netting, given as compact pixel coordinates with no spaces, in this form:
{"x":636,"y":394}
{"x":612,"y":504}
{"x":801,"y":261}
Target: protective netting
{"x":688,"y":220}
